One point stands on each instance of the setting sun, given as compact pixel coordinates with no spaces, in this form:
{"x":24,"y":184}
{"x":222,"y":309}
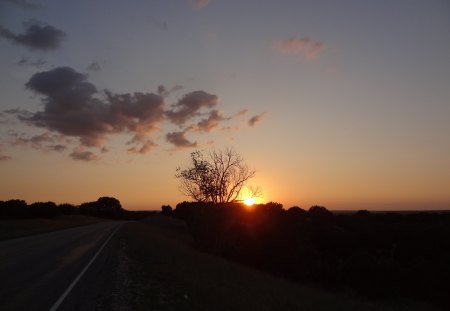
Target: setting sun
{"x":249,"y":201}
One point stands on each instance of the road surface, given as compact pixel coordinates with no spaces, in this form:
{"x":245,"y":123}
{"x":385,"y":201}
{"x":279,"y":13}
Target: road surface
{"x":36,"y":271}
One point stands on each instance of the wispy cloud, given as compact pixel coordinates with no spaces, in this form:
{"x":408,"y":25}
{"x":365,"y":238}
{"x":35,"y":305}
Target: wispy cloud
{"x":37,"y":36}
{"x":83,"y":155}
{"x":44,"y":142}
{"x":25,"y":61}
{"x":199,"y":4}
{"x":94,"y":66}
{"x":256,"y":119}
{"x":305,"y":46}
{"x":4,"y":157}
{"x":25,"y":4}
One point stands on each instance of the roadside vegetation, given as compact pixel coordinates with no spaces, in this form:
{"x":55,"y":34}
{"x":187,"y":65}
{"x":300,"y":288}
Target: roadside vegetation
{"x":170,"y":272}
{"x":17,"y":218}
{"x":381,"y":256}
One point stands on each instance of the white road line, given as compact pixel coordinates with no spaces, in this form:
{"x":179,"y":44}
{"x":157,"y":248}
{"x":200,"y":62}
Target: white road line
{"x":72,"y":285}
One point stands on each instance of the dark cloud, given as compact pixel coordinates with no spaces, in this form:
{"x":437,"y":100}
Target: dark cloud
{"x":24,"y":4}
{"x":256,"y":119}
{"x":74,"y":107}
{"x":179,"y":140}
{"x":37,"y":36}
{"x":190,"y":105}
{"x":145,"y":145}
{"x":94,"y":66}
{"x":24,"y":61}
{"x":83,"y":155}
{"x":57,"y":148}
{"x":210,"y":123}
{"x":164,"y":91}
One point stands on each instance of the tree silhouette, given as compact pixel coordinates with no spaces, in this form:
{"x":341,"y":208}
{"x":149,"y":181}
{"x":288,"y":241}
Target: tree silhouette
{"x":217,"y":177}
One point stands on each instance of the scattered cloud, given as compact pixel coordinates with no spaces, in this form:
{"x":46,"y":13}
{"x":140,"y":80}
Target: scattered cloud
{"x":82,"y":155}
{"x":156,"y":23}
{"x":57,"y":148}
{"x":74,"y":107}
{"x":241,"y":113}
{"x":4,"y":157}
{"x":164,"y":91}
{"x":75,"y":114}
{"x":44,"y":142}
{"x":300,"y":46}
{"x":94,"y":66}
{"x":26,"y":5}
{"x":190,"y":105}
{"x":38,"y":36}
{"x":256,"y":119}
{"x":179,"y":140}
{"x":25,"y":61}
{"x":199,"y":4}
{"x":210,"y":123}
{"x":145,"y":145}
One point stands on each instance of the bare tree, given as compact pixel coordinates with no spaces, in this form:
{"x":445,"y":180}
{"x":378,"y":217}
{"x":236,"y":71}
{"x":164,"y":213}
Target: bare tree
{"x":218,"y":177}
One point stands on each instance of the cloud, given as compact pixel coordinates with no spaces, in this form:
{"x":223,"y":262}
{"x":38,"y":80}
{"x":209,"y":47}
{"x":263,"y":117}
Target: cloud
{"x":4,"y":157}
{"x":179,"y":140}
{"x":57,"y":148}
{"x":145,"y":145}
{"x":199,"y":4}
{"x":256,"y":119}
{"x":241,"y":113}
{"x":38,"y":36}
{"x":164,"y":91}
{"x":157,"y":23}
{"x":24,"y":4}
{"x":38,"y":63}
{"x":44,"y":142}
{"x":75,"y":114}
{"x":81,"y":155}
{"x":74,"y":107}
{"x":190,"y":105}
{"x":94,"y":66}
{"x":303,"y":46}
{"x":210,"y":123}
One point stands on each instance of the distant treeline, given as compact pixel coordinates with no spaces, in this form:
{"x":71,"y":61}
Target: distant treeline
{"x":104,"y":207}
{"x":382,"y":255}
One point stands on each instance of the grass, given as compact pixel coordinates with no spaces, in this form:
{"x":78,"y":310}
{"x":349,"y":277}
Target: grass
{"x":169,"y":273}
{"x":14,"y":228}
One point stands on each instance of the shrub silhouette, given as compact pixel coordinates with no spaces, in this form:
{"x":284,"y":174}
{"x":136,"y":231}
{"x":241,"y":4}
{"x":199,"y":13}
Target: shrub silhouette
{"x":379,"y":255}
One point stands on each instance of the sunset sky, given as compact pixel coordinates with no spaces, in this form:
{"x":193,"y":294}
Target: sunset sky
{"x":344,"y":104}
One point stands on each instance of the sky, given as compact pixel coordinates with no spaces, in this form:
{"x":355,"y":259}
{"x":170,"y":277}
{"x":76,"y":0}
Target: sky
{"x":344,"y":104}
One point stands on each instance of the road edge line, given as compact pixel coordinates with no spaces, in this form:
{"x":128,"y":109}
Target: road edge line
{"x":60,"y":300}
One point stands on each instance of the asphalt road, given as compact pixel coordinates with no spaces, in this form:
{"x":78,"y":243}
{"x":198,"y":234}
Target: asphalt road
{"x":35,"y":271}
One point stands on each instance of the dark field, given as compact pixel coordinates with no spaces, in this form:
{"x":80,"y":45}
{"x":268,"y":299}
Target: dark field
{"x":14,"y":228}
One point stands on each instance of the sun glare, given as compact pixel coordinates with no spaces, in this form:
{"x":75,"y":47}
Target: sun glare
{"x":249,"y":201}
